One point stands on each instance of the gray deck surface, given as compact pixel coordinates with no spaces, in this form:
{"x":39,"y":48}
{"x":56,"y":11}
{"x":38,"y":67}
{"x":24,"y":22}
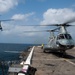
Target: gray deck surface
{"x":53,"y":64}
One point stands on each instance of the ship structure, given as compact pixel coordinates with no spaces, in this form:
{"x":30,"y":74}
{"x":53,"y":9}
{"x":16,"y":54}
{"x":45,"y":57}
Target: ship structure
{"x":39,"y":63}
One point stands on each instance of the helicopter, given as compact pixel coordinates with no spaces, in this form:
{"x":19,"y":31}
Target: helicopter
{"x":62,"y":42}
{"x":59,"y":43}
{"x":4,"y":20}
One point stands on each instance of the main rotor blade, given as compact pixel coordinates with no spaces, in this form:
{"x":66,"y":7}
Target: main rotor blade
{"x":36,"y":25}
{"x":70,"y":21}
{"x":8,"y":20}
{"x":36,"y":31}
{"x":63,"y":24}
{"x":41,"y":31}
{"x":41,"y":25}
{"x":4,"y":20}
{"x":49,"y":25}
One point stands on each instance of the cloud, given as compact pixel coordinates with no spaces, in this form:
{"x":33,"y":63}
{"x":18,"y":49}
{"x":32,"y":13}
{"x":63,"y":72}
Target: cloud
{"x":13,"y":28}
{"x":5,"y":5}
{"x":18,"y":30}
{"x":50,"y":16}
{"x":58,"y":16}
{"x":22,"y":16}
{"x":13,"y":31}
{"x":54,"y":16}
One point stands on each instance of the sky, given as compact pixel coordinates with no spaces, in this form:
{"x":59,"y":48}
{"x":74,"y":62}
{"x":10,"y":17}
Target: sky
{"x":33,"y":12}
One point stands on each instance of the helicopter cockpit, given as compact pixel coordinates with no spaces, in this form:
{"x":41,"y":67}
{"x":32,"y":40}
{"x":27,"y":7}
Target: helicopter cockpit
{"x":64,"y":36}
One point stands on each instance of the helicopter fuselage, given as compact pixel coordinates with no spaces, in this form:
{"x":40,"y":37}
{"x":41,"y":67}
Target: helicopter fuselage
{"x":59,"y":45}
{"x":62,"y":42}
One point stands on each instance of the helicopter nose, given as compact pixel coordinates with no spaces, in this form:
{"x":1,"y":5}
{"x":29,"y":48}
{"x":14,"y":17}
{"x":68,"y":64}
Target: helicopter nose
{"x":66,"y":44}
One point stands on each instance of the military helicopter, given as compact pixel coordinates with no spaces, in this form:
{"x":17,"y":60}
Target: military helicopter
{"x":62,"y":41}
{"x":4,"y":20}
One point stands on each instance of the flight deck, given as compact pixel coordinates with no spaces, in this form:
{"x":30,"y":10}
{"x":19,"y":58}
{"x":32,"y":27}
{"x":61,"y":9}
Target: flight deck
{"x":53,"y":63}
{"x":45,"y":63}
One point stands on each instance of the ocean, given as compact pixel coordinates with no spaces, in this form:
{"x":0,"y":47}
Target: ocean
{"x":11,"y":52}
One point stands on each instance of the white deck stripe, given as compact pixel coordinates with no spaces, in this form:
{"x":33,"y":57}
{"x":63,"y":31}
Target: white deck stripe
{"x":28,"y":60}
{"x":69,"y":61}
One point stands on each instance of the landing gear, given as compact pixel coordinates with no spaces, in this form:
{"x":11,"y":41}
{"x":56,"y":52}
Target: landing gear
{"x":63,"y":52}
{"x":46,"y":51}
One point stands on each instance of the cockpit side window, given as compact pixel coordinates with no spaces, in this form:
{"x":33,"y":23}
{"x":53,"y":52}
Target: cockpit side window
{"x":68,"y":36}
{"x":64,"y":36}
{"x":61,"y":36}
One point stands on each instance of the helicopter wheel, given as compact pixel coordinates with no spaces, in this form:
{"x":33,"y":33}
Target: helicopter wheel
{"x":63,"y":53}
{"x":46,"y":51}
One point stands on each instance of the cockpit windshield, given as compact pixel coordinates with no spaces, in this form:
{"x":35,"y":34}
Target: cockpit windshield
{"x":68,"y":36}
{"x":64,"y":36}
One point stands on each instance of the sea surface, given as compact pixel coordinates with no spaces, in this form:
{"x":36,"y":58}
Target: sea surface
{"x":11,"y":52}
